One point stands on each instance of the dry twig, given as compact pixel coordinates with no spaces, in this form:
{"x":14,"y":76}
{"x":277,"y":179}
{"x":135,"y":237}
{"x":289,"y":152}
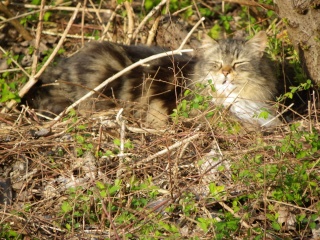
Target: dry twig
{"x":164,"y":151}
{"x":24,"y":33}
{"x":150,"y":14}
{"x":130,"y":14}
{"x":37,"y":42}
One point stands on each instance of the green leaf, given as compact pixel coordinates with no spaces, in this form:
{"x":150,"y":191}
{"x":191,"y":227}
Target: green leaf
{"x":117,"y":142}
{"x":68,"y":226}
{"x":264,"y":114}
{"x":46,"y":16}
{"x":6,"y":94}
{"x":301,"y":154}
{"x":66,"y":207}
{"x":215,"y":31}
{"x":100,"y":185}
{"x":276,"y":226}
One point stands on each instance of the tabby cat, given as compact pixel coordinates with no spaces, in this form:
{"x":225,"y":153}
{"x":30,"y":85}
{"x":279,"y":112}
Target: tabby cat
{"x":241,"y":74}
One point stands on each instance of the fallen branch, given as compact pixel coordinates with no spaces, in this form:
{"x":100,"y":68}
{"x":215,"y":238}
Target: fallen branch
{"x":164,"y":151}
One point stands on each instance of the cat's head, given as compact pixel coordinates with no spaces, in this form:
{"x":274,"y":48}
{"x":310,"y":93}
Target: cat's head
{"x":233,"y":61}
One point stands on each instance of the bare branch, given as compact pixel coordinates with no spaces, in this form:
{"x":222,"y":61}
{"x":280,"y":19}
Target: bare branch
{"x":150,"y":14}
{"x":37,"y":42}
{"x":130,"y":14}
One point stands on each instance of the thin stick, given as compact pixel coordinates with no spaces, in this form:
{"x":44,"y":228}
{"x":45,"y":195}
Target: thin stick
{"x":106,"y":29}
{"x":51,"y":8}
{"x":82,"y":22}
{"x":121,"y":154}
{"x":252,"y":3}
{"x":68,"y":35}
{"x":242,"y":222}
{"x":164,"y":151}
{"x":130,"y":14}
{"x":181,"y":10}
{"x":97,"y":12}
{"x":62,"y":8}
{"x":191,"y":31}
{"x":57,"y":48}
{"x":278,"y":115}
{"x":153,"y":30}
{"x":37,"y":42}
{"x":155,"y":9}
{"x":197,"y":10}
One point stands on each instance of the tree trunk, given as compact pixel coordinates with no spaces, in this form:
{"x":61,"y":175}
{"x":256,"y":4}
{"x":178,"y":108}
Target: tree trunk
{"x":302,"y":18}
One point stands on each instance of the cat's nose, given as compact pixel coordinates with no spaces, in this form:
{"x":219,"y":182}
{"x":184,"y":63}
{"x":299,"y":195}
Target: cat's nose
{"x":225,"y":72}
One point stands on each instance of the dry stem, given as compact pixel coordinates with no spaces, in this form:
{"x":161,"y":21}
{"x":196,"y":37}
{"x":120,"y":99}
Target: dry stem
{"x":130,"y":14}
{"x":150,"y":14}
{"x":37,"y":42}
{"x":164,"y":151}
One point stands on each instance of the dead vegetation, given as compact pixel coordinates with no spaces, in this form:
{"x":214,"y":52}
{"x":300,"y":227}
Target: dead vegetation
{"x":106,"y":177}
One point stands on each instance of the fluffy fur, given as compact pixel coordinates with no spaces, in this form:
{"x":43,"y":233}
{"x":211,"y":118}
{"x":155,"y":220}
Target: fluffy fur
{"x":239,"y":70}
{"x":242,"y":75}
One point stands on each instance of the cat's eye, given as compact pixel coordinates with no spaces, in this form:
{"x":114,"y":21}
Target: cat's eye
{"x":237,"y":64}
{"x":215,"y":65}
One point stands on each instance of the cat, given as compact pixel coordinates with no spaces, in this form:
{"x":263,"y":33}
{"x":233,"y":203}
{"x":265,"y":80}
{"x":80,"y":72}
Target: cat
{"x":239,"y":70}
{"x":243,"y":76}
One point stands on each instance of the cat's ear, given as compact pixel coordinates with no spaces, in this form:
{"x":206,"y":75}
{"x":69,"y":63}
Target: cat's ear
{"x":208,"y":42}
{"x":258,"y":42}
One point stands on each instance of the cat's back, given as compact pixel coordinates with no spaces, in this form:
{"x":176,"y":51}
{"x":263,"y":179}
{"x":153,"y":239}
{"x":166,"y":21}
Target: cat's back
{"x":73,"y":77}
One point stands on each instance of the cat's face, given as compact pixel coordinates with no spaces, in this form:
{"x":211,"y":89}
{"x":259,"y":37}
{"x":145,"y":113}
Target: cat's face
{"x":233,"y":64}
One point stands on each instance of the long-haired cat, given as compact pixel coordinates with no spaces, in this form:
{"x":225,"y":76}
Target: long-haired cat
{"x":243,"y":77}
{"x":239,"y":70}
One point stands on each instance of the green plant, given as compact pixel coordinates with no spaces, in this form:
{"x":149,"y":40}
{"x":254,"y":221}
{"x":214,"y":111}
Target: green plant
{"x":296,"y":89}
{"x":194,"y":100}
{"x":76,"y":209}
{"x":83,"y":144}
{"x":6,"y":232}
{"x":8,"y":91}
{"x":227,"y":226}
